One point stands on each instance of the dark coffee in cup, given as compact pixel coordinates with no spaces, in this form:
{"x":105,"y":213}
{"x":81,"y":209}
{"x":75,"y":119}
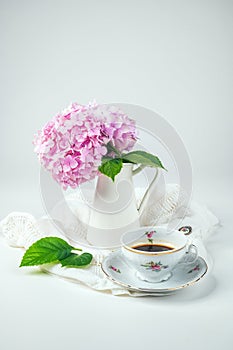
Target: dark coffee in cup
{"x":153,"y":248}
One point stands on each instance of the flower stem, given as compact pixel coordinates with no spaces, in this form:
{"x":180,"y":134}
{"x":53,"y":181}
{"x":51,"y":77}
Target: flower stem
{"x":111,"y":148}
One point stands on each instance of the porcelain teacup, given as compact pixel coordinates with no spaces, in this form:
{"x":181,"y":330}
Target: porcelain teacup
{"x":154,"y":252}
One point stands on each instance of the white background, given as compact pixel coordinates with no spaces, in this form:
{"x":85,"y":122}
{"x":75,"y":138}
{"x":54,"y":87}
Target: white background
{"x":174,"y":57}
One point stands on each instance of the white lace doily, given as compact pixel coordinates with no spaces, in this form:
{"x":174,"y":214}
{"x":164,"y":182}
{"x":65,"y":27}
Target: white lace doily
{"x":22,"y":229}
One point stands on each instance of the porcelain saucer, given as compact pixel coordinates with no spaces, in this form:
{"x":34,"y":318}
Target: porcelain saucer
{"x":116,"y":269}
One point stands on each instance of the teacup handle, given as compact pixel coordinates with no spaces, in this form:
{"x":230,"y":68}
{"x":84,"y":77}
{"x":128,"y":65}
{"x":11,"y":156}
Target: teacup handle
{"x":186,"y":261}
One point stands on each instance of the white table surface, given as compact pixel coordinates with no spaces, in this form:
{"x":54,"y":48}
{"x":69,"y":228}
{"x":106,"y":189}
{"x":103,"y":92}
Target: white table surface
{"x":42,"y":312}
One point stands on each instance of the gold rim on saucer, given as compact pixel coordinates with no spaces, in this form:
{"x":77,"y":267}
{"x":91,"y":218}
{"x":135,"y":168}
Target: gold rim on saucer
{"x":158,"y":290}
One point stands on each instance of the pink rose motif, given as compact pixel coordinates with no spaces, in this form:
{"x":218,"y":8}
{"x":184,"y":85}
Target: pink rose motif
{"x":154,"y":266}
{"x":149,"y":236}
{"x":196,"y":268}
{"x":115,"y":269}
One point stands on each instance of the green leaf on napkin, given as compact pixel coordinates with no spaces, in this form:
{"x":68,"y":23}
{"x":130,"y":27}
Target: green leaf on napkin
{"x":111,"y":167}
{"x":47,"y":250}
{"x":143,"y":158}
{"x":74,"y":260}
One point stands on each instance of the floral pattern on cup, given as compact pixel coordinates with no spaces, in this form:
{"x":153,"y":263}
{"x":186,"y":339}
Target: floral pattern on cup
{"x":149,"y":236}
{"x":187,"y":230}
{"x":115,"y":269}
{"x":196,"y":268}
{"x":154,"y":266}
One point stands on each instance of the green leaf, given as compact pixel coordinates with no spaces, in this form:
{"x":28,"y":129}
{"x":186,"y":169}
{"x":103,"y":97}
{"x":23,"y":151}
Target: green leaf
{"x":105,"y":159}
{"x":74,"y":260}
{"x":111,"y":167}
{"x":46,"y":250}
{"x":144,"y":158}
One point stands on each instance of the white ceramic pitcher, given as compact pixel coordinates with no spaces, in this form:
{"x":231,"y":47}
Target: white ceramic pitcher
{"x":114,"y":210}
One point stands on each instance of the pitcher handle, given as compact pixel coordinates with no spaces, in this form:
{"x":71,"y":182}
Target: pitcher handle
{"x":138,"y":170}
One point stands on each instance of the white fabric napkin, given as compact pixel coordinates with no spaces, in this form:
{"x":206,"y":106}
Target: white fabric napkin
{"x":22,"y":229}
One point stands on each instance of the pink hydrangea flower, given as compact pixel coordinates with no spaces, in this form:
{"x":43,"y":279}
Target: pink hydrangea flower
{"x":72,"y":144}
{"x":120,"y":129}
